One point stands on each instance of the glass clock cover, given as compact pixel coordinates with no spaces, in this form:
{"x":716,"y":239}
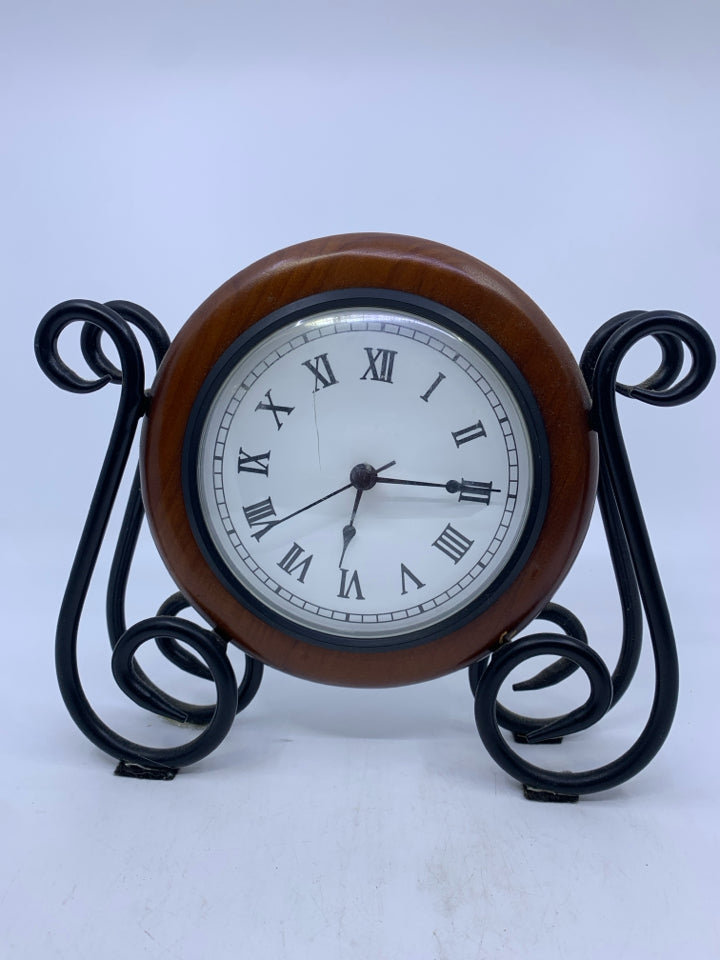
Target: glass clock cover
{"x":363,"y":474}
{"x":368,"y":459}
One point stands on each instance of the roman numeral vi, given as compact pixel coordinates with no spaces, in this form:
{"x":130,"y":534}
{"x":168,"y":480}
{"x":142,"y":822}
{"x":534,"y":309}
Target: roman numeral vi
{"x":348,"y":584}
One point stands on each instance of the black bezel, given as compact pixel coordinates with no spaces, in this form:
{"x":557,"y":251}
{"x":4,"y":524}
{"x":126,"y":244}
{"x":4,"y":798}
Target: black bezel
{"x":418,"y":306}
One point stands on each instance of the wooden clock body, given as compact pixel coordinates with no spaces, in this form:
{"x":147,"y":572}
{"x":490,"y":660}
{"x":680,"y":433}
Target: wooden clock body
{"x":409,"y":266}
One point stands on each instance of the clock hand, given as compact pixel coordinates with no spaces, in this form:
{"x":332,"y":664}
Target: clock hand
{"x":473,"y":489}
{"x":349,"y":530}
{"x":363,"y":477}
{"x":366,"y":479}
{"x":452,"y":486}
{"x":274,"y":523}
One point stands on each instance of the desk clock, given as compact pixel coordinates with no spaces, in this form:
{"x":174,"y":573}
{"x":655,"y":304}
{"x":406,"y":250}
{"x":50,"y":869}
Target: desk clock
{"x":370,"y":460}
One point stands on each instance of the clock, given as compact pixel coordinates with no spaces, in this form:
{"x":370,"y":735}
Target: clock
{"x":367,"y":460}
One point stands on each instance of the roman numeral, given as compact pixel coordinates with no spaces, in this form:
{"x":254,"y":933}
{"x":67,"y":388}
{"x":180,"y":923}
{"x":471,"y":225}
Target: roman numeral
{"x":253,"y":464}
{"x":469,"y":433}
{"x":256,"y":513}
{"x":326,"y":378}
{"x":436,"y":383}
{"x":404,"y":574}
{"x":453,"y":543}
{"x":476,"y":491}
{"x":292,"y":562}
{"x":346,"y":585}
{"x":385,"y":358}
{"x":275,"y":409}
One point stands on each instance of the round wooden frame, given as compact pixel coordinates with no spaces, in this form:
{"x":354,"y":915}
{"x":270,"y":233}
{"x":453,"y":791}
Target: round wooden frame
{"x":411,"y":266}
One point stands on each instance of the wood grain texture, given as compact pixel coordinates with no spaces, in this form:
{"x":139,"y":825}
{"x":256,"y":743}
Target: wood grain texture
{"x":408,"y":265}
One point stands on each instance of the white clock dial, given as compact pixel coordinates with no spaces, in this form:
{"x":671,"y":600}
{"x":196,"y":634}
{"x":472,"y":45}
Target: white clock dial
{"x":364,"y":474}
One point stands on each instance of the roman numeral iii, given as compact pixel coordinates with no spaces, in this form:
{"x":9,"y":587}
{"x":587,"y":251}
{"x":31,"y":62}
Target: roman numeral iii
{"x":476,"y":491}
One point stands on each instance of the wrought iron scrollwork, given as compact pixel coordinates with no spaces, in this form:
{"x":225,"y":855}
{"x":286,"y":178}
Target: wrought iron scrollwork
{"x":116,"y":320}
{"x":636,"y":574}
{"x":640,"y":590}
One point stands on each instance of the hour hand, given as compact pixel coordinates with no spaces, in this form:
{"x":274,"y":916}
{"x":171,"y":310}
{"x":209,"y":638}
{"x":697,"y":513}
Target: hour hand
{"x":349,"y":530}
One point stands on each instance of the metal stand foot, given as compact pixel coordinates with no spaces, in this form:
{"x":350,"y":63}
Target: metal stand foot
{"x":138,"y":772}
{"x":548,"y":796}
{"x":523,"y":738}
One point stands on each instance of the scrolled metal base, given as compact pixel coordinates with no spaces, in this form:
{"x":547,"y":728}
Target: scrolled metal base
{"x":209,"y":659}
{"x":639,"y":587}
{"x":640,"y":590}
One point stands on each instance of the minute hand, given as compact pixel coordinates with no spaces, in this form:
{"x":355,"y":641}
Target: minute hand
{"x":452,"y":486}
{"x":475,"y":490}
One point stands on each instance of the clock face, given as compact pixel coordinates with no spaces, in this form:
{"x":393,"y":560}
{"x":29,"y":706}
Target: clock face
{"x":365,"y":470}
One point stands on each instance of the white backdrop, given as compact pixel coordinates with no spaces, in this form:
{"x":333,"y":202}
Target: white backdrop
{"x":149,"y":150}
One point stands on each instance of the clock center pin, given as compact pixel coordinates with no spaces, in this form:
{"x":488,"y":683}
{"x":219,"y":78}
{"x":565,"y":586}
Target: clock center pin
{"x":363,"y":476}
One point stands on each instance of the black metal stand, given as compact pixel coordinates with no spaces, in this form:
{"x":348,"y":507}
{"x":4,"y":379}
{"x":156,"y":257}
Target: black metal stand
{"x":115,"y":320}
{"x":636,"y":574}
{"x":635,"y":571}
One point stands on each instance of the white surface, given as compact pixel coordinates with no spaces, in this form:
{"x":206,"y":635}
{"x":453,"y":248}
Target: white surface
{"x":149,"y":151}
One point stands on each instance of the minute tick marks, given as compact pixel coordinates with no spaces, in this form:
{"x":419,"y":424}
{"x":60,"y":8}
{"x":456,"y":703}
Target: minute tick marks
{"x":350,"y":543}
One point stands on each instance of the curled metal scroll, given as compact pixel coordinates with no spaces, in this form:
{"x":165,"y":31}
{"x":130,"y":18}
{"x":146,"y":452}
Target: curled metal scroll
{"x":636,"y":573}
{"x":525,"y":728}
{"x":116,"y":320}
{"x":140,"y":687}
